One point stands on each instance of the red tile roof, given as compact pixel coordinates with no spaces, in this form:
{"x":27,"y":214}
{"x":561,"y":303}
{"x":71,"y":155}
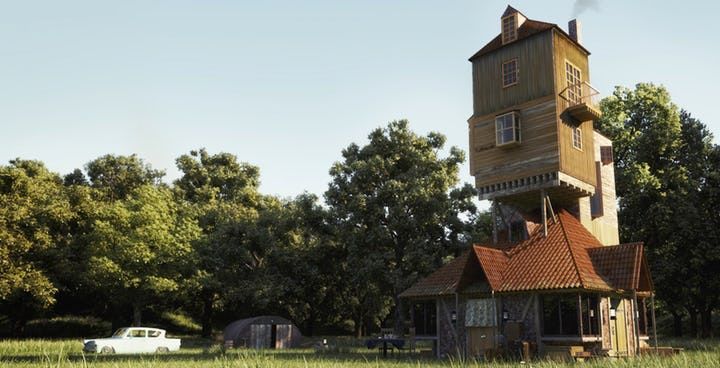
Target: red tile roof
{"x":570,"y":257}
{"x":446,"y":280}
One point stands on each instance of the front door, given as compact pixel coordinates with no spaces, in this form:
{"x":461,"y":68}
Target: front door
{"x":480,"y":340}
{"x":618,"y":326}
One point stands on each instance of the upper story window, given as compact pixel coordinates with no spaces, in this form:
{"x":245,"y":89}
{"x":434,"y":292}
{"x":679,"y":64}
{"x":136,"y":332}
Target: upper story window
{"x":577,"y":138}
{"x":507,"y":128}
{"x":510,"y":72}
{"x":509,"y":28}
{"x":606,"y":155}
{"x":574,"y":80}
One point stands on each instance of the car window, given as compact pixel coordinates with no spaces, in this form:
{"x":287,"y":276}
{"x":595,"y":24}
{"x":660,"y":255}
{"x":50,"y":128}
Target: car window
{"x":137,"y":333}
{"x":120,"y":332}
{"x":153,"y":333}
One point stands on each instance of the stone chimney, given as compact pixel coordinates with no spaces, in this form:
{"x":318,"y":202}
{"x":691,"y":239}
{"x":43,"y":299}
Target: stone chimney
{"x":574,"y":30}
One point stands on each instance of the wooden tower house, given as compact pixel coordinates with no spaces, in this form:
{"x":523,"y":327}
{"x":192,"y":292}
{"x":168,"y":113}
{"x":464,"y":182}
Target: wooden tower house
{"x":553,"y":278}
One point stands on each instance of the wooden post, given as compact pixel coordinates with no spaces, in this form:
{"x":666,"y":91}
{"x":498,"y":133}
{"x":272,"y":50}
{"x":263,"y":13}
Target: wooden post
{"x":652,"y":303}
{"x":636,"y":324}
{"x":544,"y":212}
{"x":493,"y":216}
{"x":580,"y":315}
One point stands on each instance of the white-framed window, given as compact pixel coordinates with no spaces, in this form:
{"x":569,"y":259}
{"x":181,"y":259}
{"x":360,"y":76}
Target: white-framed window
{"x":574,"y":80}
{"x":507,"y":128}
{"x":509,"y":28}
{"x":577,"y":138}
{"x":510,"y":72}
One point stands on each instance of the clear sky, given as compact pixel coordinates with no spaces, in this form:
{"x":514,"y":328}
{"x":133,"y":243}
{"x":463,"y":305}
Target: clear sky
{"x":286,"y":85}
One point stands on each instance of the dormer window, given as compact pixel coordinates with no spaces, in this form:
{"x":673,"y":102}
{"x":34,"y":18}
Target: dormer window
{"x":509,"y":28}
{"x":510,"y":73}
{"x":507,"y":129}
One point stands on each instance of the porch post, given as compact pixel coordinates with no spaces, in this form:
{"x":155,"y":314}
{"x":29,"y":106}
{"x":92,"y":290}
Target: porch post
{"x":636,"y":322}
{"x":580,"y":315}
{"x":652,"y":303}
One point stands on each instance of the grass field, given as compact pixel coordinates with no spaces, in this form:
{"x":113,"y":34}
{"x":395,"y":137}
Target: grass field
{"x":67,"y":353}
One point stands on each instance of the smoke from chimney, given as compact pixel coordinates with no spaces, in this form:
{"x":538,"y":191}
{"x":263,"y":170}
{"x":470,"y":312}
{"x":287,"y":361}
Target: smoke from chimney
{"x":581,"y":6}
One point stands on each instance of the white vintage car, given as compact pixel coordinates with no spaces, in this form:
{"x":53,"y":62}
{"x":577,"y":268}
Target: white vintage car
{"x":132,"y":340}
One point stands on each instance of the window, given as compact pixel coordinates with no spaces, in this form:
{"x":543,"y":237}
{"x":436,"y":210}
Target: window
{"x":574,"y":80}
{"x":510,"y":73}
{"x":137,"y":333}
{"x":590,"y":315}
{"x":577,"y":138}
{"x":153,"y":333}
{"x":606,"y":155}
{"x":507,"y":129}
{"x":424,"y":318}
{"x":560,"y":314}
{"x":509,"y":29}
{"x":517,"y":231}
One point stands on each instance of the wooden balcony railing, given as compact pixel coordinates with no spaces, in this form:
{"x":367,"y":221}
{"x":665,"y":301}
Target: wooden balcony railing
{"x":581,"y":101}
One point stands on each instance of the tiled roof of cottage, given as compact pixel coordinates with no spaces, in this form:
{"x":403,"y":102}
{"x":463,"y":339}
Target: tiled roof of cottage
{"x":570,"y":257}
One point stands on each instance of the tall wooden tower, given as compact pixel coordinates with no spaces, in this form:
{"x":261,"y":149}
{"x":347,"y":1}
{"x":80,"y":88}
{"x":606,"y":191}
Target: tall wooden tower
{"x":532,"y":143}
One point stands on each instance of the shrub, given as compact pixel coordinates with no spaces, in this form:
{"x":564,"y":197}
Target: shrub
{"x":67,"y":327}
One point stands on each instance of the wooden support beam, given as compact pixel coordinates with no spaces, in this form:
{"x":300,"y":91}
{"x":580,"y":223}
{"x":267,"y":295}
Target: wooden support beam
{"x":544,"y":212}
{"x":493,"y":216}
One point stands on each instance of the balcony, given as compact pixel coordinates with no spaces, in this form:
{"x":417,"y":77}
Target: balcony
{"x":581,"y":102}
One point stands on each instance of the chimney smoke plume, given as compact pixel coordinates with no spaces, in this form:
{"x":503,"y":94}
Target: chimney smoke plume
{"x":581,"y":6}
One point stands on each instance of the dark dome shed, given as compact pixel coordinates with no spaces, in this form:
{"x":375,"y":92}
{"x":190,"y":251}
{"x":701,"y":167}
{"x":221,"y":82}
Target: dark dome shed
{"x":263,"y":332}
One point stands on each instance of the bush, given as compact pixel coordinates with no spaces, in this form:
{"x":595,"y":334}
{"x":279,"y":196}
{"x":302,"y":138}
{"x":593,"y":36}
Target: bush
{"x":67,"y":327}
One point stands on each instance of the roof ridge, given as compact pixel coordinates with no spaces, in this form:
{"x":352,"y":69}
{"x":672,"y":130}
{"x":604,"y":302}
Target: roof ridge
{"x":563,"y":212}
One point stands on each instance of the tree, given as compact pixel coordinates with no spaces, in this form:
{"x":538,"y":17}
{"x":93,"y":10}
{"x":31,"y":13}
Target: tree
{"x":32,"y":207}
{"x":224,"y":195}
{"x":398,"y":214}
{"x":664,"y":171}
{"x":141,"y":247}
{"x":117,"y":176}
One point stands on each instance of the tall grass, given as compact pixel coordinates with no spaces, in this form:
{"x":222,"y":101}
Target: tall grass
{"x":68,"y":354}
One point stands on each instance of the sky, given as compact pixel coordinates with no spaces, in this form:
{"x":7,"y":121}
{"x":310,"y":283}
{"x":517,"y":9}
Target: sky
{"x":286,"y":85}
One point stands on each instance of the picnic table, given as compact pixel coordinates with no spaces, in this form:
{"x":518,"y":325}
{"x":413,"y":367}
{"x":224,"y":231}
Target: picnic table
{"x":385,"y":342}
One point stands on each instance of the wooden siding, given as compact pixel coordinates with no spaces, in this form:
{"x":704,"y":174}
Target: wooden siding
{"x":576,"y":163}
{"x":579,"y":164}
{"x":534,"y":55}
{"x":536,"y":154}
{"x":605,"y":227}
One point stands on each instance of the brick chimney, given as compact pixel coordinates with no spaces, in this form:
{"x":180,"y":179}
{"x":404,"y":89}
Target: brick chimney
{"x":574,"y":30}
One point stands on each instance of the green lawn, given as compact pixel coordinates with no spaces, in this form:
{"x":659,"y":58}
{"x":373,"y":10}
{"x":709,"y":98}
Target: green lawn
{"x":67,"y":353}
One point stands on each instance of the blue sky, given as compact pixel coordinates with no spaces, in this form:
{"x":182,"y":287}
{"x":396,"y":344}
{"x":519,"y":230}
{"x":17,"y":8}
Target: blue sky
{"x":286,"y":85}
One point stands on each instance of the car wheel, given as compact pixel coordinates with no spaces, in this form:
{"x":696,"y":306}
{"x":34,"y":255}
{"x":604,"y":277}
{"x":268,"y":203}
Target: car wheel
{"x":162,"y":350}
{"x":107,"y":350}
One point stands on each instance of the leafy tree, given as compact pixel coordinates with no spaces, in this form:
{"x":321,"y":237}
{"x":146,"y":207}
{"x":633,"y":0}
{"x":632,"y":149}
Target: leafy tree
{"x":117,"y":176}
{"x":664,"y":171}
{"x":398,"y":214}
{"x":140,"y":247}
{"x":32,"y":208}
{"x":224,"y":195}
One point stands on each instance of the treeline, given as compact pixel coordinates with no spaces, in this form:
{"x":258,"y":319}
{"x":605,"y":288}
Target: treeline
{"x":116,"y":242}
{"x":667,"y":174}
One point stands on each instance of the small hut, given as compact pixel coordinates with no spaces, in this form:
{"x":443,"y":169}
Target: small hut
{"x":263,"y":332}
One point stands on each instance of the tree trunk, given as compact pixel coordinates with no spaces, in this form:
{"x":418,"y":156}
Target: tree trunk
{"x":207,"y":314}
{"x":706,"y":323}
{"x":677,"y":324}
{"x":137,"y":315}
{"x":692,"y":312}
